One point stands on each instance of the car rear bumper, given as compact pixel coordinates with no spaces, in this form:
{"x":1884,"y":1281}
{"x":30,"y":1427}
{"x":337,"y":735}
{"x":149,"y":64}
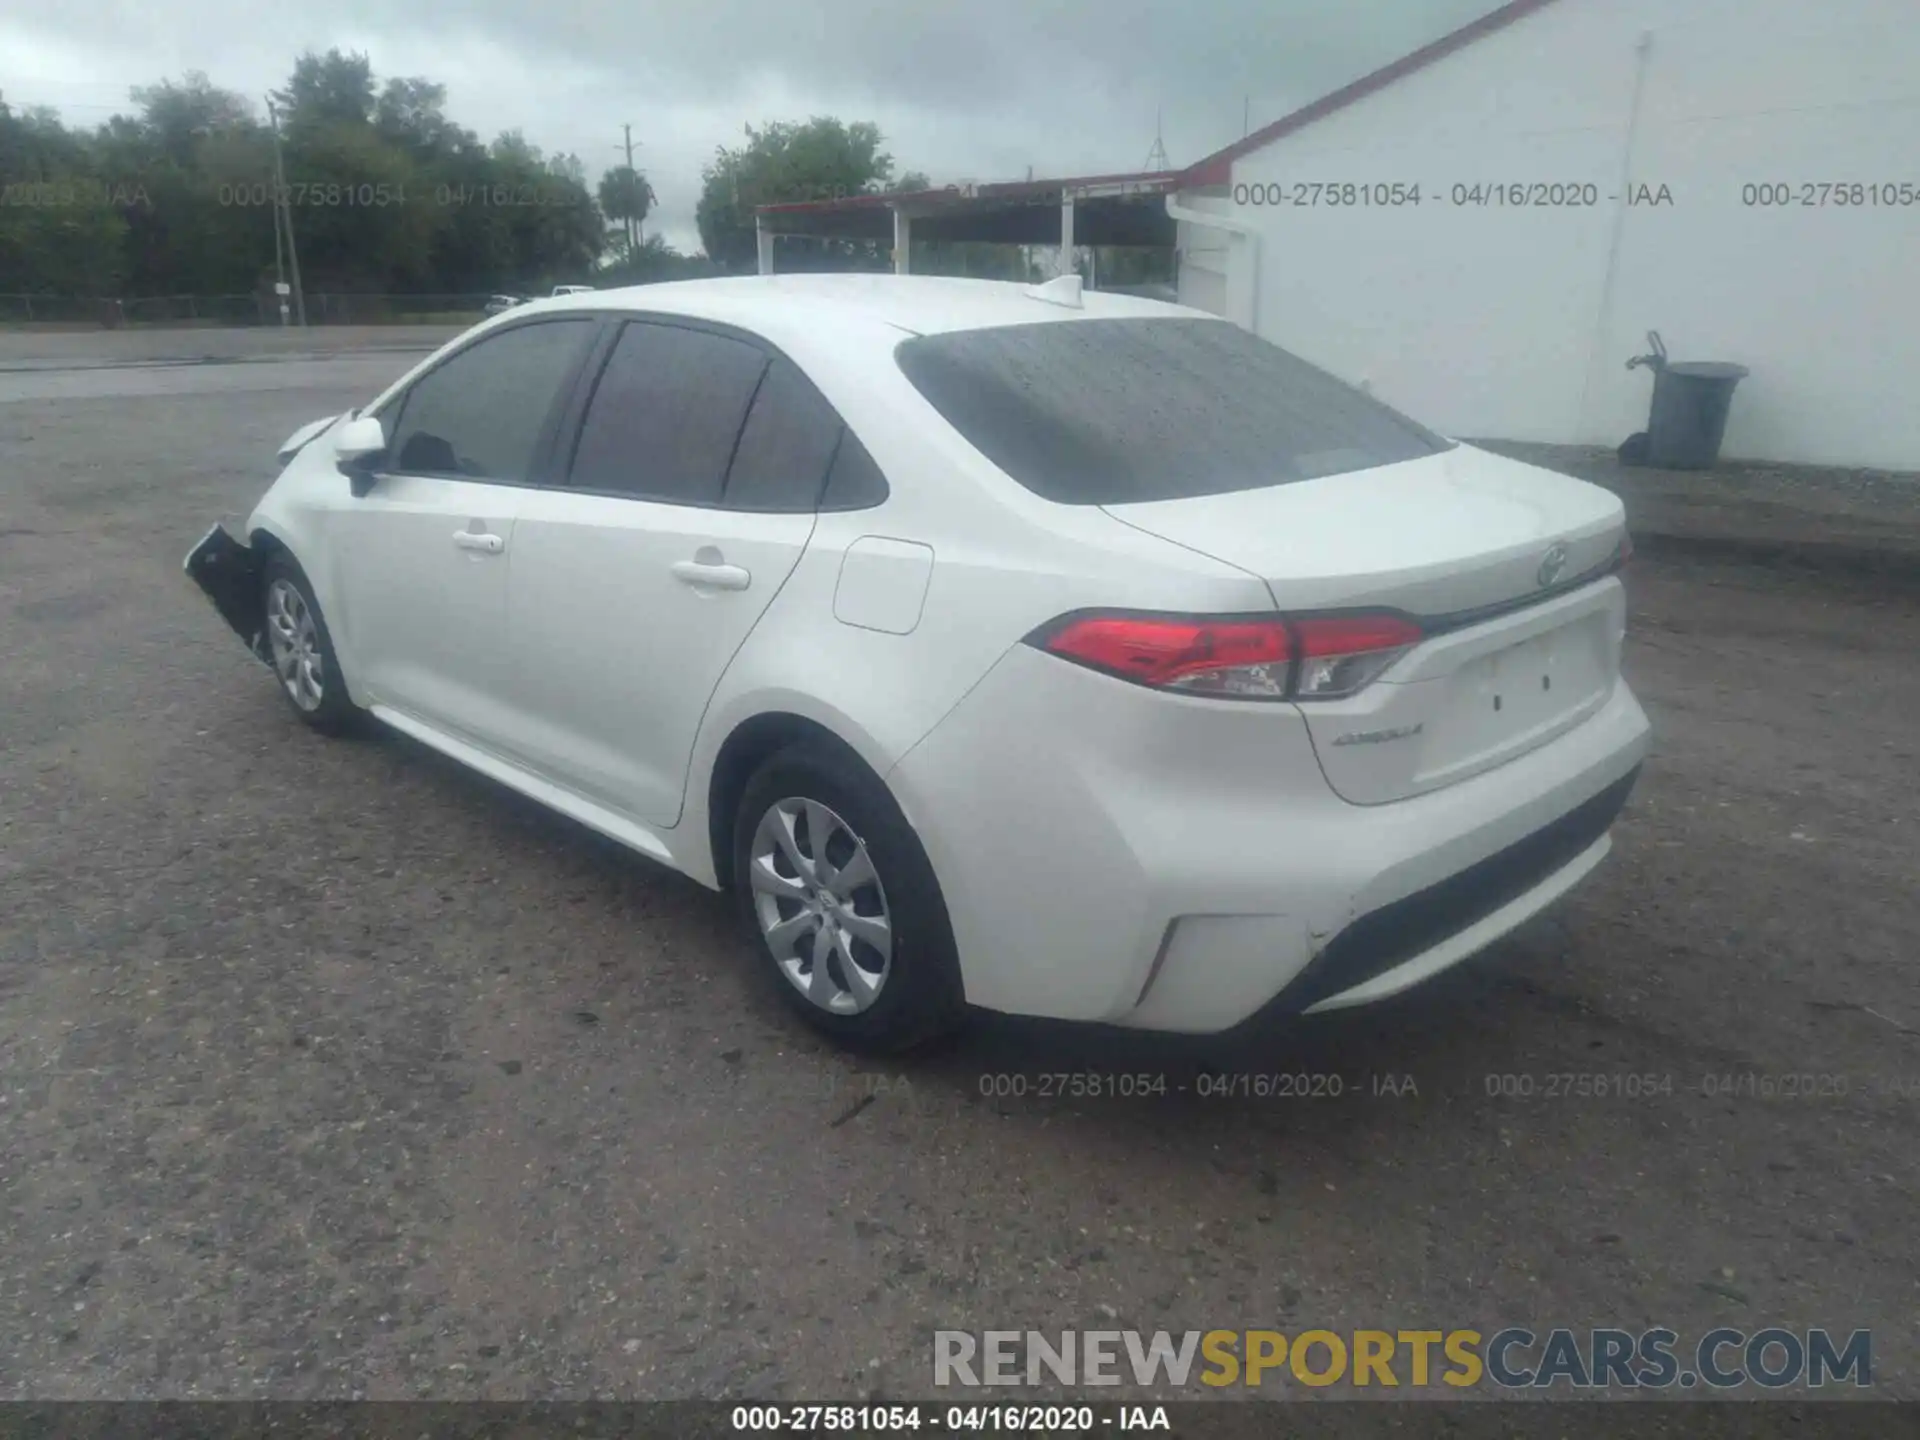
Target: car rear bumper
{"x":1403,"y":942}
{"x":228,"y":574}
{"x":1114,"y":854}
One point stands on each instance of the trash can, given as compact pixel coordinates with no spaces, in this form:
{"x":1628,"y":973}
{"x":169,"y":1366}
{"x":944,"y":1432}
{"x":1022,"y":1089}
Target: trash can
{"x":1690,"y":404}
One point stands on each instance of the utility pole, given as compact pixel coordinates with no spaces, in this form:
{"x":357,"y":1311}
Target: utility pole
{"x":632,"y":180}
{"x":627,"y":221}
{"x":279,"y":268}
{"x":286,"y":214}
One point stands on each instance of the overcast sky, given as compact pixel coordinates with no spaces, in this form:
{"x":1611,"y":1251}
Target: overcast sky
{"x":962,"y":89}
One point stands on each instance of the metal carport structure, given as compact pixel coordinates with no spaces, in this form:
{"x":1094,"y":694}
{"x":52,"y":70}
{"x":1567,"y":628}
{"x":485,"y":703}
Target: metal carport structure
{"x":1122,"y":209}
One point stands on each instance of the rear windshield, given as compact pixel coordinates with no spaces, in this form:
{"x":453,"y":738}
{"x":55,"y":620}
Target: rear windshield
{"x":1103,"y":412}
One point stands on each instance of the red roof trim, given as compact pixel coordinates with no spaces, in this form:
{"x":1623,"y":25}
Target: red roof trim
{"x":1148,"y":181}
{"x":840,"y":202}
{"x":1143,"y":178}
{"x":1217,"y":168}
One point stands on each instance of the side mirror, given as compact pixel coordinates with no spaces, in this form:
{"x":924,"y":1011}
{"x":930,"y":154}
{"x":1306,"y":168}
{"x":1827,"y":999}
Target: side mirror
{"x":357,"y":444}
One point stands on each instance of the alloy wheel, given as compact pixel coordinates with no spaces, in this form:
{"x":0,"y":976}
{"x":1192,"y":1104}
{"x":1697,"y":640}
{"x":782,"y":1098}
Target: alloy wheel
{"x":821,"y":906}
{"x":294,"y":639}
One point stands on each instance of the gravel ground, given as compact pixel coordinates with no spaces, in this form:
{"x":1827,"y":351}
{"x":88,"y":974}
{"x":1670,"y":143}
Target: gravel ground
{"x":330,"y":1070}
{"x":1863,"y":524}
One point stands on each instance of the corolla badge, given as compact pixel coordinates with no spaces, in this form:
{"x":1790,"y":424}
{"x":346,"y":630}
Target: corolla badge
{"x":1380,"y":737}
{"x":1552,"y":564}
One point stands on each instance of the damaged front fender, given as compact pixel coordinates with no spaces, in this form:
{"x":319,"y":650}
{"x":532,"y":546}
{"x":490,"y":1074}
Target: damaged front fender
{"x":228,"y":573}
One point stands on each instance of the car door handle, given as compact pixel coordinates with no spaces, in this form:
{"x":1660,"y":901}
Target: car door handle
{"x":711,"y":577}
{"x":479,"y":540}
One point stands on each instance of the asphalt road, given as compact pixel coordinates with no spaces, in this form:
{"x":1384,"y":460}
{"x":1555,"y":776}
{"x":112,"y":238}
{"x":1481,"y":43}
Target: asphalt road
{"x":87,"y":348}
{"x":329,"y":1070}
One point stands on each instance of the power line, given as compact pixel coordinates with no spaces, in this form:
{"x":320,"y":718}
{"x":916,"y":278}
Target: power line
{"x":16,"y":104}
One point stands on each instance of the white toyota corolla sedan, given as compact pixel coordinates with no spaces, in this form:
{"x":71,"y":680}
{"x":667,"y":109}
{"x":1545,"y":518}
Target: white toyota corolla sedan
{"x":1065,"y":654}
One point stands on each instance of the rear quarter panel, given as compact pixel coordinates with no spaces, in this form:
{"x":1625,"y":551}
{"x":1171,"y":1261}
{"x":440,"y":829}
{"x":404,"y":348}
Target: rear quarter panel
{"x":1003,"y":563}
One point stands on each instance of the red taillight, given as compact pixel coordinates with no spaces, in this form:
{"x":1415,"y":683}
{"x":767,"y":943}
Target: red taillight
{"x":1352,"y":634}
{"x":1237,"y":658}
{"x":1342,"y":654}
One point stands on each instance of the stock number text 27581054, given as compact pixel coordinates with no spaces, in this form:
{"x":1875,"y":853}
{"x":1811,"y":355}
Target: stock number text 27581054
{"x":1343,"y":194}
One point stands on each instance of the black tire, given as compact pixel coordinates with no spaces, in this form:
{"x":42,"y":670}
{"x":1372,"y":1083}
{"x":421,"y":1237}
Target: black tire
{"x":920,"y":999}
{"x":335,"y":714}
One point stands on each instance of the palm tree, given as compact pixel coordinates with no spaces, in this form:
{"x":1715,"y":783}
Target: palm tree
{"x":626,"y":197}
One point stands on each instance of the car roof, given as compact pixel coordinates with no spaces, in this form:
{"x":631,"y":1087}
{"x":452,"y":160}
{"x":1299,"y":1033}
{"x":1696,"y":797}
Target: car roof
{"x":917,"y":304}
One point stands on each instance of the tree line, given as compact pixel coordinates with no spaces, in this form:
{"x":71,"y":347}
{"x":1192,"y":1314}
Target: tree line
{"x":387,"y":194}
{"x":390,"y":196}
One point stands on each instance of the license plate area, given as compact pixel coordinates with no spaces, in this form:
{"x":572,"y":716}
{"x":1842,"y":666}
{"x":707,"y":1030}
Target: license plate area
{"x":1509,"y":700}
{"x":1535,"y":681}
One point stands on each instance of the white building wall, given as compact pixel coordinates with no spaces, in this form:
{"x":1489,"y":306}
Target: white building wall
{"x":1203,"y":267}
{"x":1494,"y":321}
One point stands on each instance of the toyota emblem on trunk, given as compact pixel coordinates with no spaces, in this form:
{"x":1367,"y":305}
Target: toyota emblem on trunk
{"x":1554,"y":562}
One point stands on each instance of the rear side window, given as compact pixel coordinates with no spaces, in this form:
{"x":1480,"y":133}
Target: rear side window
{"x":480,"y":415}
{"x":1104,"y":412}
{"x":854,"y":482}
{"x":788,"y":442}
{"x":665,"y":414}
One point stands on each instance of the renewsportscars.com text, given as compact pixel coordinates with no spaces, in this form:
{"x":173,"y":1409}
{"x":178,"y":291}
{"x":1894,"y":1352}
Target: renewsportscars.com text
{"x":1513,"y":1358}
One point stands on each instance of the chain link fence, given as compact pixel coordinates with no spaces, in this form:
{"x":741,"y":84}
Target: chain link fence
{"x":323,"y":308}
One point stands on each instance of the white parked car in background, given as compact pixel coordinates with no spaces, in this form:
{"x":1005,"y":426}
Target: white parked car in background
{"x":1078,"y":656}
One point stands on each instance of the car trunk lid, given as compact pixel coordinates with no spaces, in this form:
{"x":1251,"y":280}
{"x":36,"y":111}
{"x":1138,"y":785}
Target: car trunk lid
{"x":1503,"y":565}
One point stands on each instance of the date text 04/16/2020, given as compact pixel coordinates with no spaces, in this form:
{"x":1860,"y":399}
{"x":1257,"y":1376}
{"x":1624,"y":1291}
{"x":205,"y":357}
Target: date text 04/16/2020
{"x":952,"y":1419}
{"x":1207,"y":1085}
{"x":1478,"y":194}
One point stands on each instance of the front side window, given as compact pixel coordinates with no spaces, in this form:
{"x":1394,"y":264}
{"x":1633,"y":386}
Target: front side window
{"x":481,"y":414}
{"x":1104,"y":412}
